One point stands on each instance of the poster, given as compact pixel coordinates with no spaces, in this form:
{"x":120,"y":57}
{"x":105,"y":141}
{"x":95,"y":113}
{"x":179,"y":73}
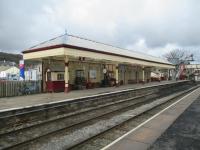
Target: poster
{"x":93,"y":74}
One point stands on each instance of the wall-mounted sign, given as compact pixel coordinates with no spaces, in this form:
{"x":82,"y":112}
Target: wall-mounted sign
{"x":93,"y":74}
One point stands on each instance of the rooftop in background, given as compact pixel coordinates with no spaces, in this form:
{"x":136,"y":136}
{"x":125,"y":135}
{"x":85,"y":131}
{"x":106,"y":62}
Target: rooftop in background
{"x":4,"y":68}
{"x":7,"y":63}
{"x":78,"y":42}
{"x":194,"y":63}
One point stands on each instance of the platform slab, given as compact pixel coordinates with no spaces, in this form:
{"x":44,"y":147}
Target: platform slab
{"x":127,"y":144}
{"x":144,"y":136}
{"x":184,"y":133}
{"x":44,"y":98}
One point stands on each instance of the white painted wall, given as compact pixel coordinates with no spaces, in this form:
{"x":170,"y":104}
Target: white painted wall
{"x":10,"y":74}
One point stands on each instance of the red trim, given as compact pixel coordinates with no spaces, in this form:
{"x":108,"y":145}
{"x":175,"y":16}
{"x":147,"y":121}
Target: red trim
{"x":85,"y":49}
{"x":43,"y":48}
{"x":55,"y":86}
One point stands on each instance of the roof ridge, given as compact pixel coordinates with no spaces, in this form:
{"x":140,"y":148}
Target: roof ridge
{"x":111,"y":45}
{"x":83,"y":38}
{"x":93,"y":41}
{"x":48,"y":40}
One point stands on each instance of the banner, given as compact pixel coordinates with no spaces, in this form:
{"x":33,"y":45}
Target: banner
{"x":21,"y":67}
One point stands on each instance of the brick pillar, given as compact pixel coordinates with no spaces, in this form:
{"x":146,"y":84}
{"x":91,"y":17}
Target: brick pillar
{"x":66,"y":74}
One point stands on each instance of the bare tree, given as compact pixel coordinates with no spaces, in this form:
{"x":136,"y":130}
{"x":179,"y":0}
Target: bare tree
{"x":176,"y":56}
{"x":179,"y":58}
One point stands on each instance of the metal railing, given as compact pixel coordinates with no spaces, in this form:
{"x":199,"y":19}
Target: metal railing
{"x":16,"y":88}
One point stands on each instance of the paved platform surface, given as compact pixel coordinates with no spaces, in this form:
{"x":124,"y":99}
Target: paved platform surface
{"x":36,"y":99}
{"x":183,"y":133}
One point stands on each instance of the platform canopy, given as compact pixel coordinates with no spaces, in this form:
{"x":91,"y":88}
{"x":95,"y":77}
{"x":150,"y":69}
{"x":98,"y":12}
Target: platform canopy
{"x":73,"y":46}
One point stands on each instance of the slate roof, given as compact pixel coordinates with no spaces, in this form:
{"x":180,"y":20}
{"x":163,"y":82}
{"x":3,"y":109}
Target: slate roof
{"x":72,"y":40}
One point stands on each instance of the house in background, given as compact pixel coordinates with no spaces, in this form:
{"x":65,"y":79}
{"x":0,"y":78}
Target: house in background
{"x":7,"y":63}
{"x":33,"y":70}
{"x":193,"y":70}
{"x":9,"y":70}
{"x":9,"y":73}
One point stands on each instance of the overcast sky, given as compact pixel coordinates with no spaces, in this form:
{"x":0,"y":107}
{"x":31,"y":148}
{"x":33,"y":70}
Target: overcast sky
{"x":151,"y":26}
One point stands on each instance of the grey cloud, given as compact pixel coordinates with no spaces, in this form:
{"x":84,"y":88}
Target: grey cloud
{"x":26,"y":23}
{"x":17,"y":21}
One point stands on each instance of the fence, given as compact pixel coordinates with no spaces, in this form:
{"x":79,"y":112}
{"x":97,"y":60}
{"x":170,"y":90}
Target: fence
{"x":16,"y":88}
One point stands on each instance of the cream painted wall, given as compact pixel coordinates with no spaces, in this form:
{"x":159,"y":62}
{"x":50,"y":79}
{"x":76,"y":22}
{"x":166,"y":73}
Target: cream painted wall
{"x":77,"y":53}
{"x":73,"y":66}
{"x":98,"y":56}
{"x":54,"y":75}
{"x":129,"y":74}
{"x":45,"y":53}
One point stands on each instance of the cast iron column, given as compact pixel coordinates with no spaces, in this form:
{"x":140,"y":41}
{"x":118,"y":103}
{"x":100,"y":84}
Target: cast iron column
{"x":143,"y":74}
{"x":117,"y":74}
{"x":66,"y":74}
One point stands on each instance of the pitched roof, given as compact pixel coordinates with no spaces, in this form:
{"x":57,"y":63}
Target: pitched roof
{"x":7,"y":63}
{"x":3,"y":68}
{"x":76,"y":41}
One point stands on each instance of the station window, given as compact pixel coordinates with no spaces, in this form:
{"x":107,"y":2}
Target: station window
{"x":79,"y":73}
{"x":60,"y":76}
{"x":92,"y":74}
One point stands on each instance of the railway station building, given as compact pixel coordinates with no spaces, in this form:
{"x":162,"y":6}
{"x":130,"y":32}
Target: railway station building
{"x":70,"y":62}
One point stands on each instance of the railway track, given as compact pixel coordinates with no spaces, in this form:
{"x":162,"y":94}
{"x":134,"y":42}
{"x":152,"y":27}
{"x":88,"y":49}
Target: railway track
{"x":100,"y":141}
{"x":92,"y":127}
